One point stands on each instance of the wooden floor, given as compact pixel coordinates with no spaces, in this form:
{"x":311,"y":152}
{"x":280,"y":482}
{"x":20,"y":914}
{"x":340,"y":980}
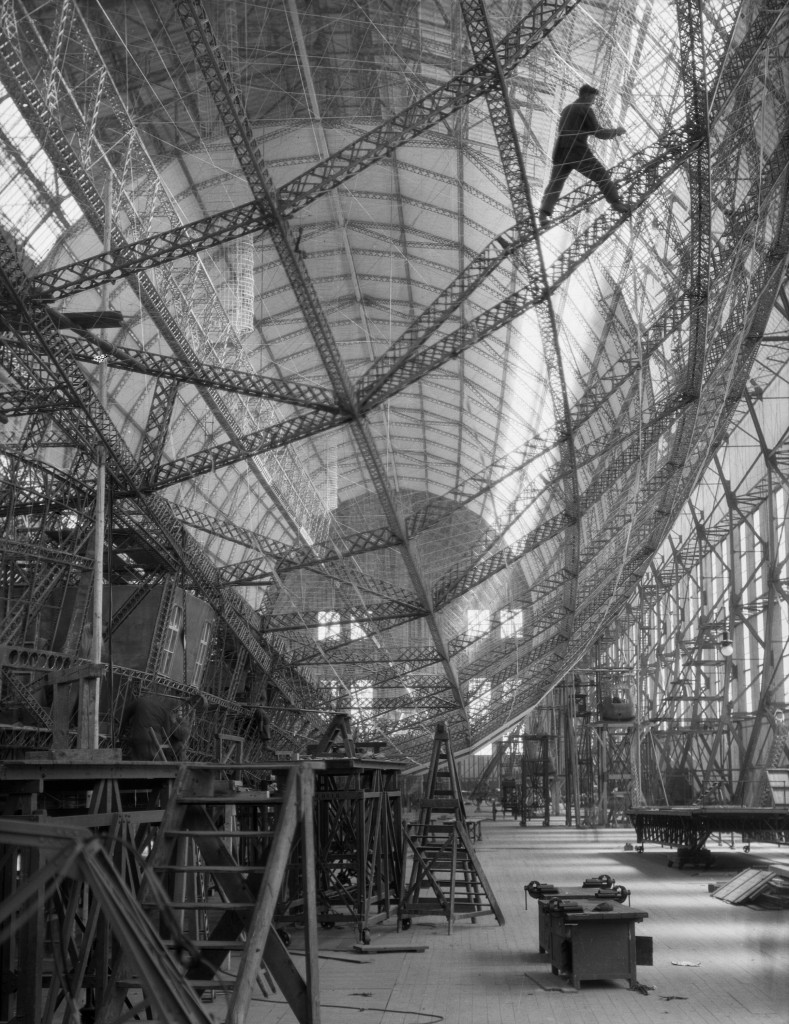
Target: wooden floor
{"x":712,"y":962}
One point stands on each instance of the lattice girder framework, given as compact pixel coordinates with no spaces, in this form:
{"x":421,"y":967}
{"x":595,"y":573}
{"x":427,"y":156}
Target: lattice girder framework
{"x":711,"y":723}
{"x":442,"y":459}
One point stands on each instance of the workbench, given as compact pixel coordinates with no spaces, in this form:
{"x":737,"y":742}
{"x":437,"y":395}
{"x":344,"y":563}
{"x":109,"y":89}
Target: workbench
{"x":544,"y":894}
{"x":587,"y":944}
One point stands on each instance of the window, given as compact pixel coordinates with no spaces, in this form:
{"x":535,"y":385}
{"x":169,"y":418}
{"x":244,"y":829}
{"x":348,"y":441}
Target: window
{"x":328,"y":625}
{"x":478,"y":621}
{"x":171,"y":639}
{"x":511,"y":620}
{"x":478,"y":694}
{"x":362,"y":696}
{"x":201,"y":659}
{"x":333,"y":691}
{"x":363,"y":693}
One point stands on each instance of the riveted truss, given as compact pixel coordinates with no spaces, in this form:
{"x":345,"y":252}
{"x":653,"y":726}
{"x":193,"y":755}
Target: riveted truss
{"x":421,"y":459}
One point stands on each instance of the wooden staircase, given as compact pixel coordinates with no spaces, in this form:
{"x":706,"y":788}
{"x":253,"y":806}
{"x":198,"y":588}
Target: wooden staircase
{"x":444,"y":876}
{"x":194,"y":854}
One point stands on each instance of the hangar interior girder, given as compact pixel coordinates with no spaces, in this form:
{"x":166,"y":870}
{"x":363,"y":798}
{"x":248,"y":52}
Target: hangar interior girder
{"x":362,"y":435}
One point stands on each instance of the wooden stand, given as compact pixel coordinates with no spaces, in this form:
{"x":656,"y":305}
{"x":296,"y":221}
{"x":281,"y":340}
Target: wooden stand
{"x":84,"y":927}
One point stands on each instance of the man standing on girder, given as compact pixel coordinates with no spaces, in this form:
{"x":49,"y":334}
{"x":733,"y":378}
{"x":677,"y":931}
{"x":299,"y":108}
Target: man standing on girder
{"x":577,"y":124}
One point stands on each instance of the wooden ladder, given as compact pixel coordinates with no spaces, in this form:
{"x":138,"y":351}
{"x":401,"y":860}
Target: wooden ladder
{"x":195,"y":853}
{"x":445,"y":876}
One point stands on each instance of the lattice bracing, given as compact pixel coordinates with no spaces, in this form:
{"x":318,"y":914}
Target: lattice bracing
{"x":418,"y":456}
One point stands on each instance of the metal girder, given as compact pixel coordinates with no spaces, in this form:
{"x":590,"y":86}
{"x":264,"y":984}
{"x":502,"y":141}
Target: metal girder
{"x":282,"y":558}
{"x":717,"y":401}
{"x":168,"y":367}
{"x":438,"y":312}
{"x":248,"y":573}
{"x":288,"y":559}
{"x":374,"y":467}
{"x":60,"y":366}
{"x":738,"y":60}
{"x":130,"y":258}
{"x":226,"y":529}
{"x":231,"y":112}
{"x":429,"y":110}
{"x":28,"y":485}
{"x":14,"y":404}
{"x":242,"y":138}
{"x":14,"y":549}
{"x":611,"y":461}
{"x":529,"y":260}
{"x":384,"y":611}
{"x":139,"y":592}
{"x":693,"y":72}
{"x":155,"y":433}
{"x":415,"y":659}
{"x":54,"y":142}
{"x":762,"y":303}
{"x":347,"y":545}
{"x":463,"y":579}
{"x":678,"y":307}
{"x":739,"y":343}
{"x":49,"y":569}
{"x":227,"y":454}
{"x":662,"y":161}
{"x":208,"y":460}
{"x":690,"y":575}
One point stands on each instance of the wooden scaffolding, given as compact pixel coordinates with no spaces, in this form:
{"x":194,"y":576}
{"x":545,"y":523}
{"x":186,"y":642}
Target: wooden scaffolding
{"x":94,"y":923}
{"x":191,"y":846}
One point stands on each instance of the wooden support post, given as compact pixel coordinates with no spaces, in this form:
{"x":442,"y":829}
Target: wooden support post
{"x":294,"y":808}
{"x":306,"y":783}
{"x":30,"y":982}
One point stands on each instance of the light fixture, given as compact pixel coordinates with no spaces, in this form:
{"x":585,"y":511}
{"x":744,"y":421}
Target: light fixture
{"x":726,"y":647}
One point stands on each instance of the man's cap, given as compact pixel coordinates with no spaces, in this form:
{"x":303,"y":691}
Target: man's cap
{"x":588,"y":90}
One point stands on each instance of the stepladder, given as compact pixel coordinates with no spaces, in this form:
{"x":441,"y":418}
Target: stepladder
{"x":442,"y":872}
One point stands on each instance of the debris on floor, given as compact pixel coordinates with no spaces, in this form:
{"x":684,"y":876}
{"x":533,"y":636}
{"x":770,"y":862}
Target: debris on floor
{"x":765,"y":888}
{"x":359,"y":948}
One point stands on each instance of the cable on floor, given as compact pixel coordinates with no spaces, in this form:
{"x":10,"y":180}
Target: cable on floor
{"x":430,"y":1018}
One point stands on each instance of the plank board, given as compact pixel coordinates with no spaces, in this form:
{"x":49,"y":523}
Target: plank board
{"x":359,"y":948}
{"x":744,"y":886}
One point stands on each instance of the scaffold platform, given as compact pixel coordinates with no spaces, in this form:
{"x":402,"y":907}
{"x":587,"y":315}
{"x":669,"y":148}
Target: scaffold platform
{"x":691,"y":826}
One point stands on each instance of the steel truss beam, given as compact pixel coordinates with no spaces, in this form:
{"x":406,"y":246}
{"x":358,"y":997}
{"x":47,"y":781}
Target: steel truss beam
{"x":59,"y":366}
{"x":416,"y":364}
{"x":91,"y":349}
{"x":324,"y":177}
{"x":693,"y":308}
{"x":222,"y":88}
{"x":56,"y":145}
{"x":530,"y":262}
{"x":656,"y":166}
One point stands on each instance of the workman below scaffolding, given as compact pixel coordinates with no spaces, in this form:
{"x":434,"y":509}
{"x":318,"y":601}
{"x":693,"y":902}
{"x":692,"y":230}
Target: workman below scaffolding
{"x":156,"y":728}
{"x":577,"y":124}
